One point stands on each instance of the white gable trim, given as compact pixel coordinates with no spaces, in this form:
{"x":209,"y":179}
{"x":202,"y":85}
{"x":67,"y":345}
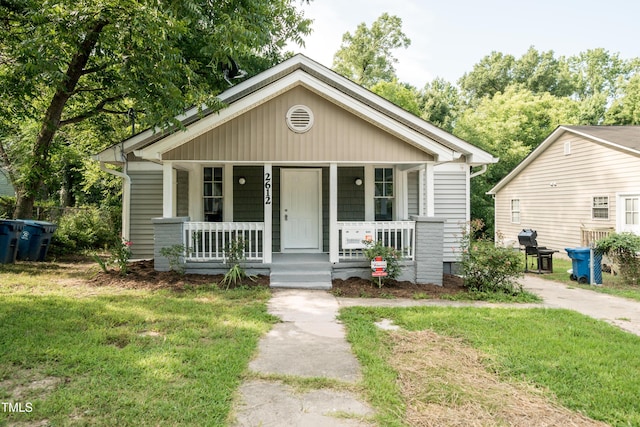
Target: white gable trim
{"x":155,"y":151}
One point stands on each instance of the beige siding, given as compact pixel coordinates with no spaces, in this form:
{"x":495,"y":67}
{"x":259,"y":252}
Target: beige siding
{"x":556,"y":191}
{"x":146,"y":203}
{"x":261,"y":134}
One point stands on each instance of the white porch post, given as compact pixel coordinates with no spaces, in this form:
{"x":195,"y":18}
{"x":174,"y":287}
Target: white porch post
{"x":430,"y":190}
{"x":334,"y":247}
{"x":268,"y":214}
{"x":369,"y":193}
{"x":168,"y":190}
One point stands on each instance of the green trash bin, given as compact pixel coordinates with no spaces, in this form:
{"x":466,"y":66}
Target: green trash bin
{"x":35,"y":240}
{"x":10,"y":231}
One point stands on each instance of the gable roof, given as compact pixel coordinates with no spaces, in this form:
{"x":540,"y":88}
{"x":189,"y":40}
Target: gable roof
{"x":625,"y":138}
{"x":299,"y":69}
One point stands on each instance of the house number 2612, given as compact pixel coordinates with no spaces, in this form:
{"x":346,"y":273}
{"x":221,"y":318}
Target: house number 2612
{"x":267,"y":188}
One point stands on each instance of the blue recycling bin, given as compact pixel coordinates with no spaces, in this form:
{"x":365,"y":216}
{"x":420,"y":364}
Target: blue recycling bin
{"x":10,"y":231}
{"x":581,"y":265}
{"x":35,"y":240}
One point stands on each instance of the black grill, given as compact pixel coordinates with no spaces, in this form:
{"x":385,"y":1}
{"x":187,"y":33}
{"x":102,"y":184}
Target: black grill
{"x":543,"y":256}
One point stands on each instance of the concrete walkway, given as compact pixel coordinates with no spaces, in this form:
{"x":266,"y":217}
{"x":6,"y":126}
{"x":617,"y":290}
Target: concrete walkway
{"x":309,"y":342}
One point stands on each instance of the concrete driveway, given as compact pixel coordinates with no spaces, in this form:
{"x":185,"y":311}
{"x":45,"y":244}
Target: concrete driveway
{"x":618,"y":311}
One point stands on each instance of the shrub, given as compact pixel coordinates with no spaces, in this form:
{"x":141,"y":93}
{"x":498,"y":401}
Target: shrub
{"x":488,"y":267}
{"x":388,"y":254}
{"x":624,"y":250}
{"x":234,"y":254}
{"x":174,"y":254}
{"x":83,"y":229}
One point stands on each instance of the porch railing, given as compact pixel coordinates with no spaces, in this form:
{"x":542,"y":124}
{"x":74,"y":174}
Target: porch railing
{"x":206,"y":241}
{"x":400,"y":235}
{"x":590,"y":236}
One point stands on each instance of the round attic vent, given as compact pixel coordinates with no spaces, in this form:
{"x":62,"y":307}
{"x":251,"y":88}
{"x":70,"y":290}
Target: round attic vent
{"x":299,"y":118}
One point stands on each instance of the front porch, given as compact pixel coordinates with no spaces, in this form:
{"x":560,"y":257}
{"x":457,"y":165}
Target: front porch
{"x":419,"y":241}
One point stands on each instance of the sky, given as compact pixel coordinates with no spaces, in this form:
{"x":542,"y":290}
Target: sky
{"x":448,"y":37}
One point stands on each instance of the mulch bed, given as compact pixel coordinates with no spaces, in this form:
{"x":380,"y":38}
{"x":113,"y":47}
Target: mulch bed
{"x":356,"y":287}
{"x":141,"y":275}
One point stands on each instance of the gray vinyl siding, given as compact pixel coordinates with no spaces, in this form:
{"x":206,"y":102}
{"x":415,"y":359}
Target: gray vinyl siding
{"x":413,"y":188}
{"x":247,"y":199}
{"x":451,"y":203}
{"x":350,"y":195}
{"x":556,"y":191}
{"x":325,"y":209}
{"x":182,"y":193}
{"x":146,"y":203}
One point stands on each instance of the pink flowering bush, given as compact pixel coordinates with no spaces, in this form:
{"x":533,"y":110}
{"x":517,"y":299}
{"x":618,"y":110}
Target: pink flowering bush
{"x":487,"y":267}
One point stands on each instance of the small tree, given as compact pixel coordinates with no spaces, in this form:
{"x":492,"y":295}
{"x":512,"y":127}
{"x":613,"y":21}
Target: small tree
{"x":624,"y":249}
{"x":488,"y":267}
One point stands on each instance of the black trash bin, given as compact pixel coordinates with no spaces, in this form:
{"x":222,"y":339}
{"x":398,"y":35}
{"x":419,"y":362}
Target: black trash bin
{"x":35,"y":240}
{"x":10,"y":231}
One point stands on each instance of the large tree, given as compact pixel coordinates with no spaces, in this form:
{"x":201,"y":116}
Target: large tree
{"x":366,"y":57}
{"x":65,"y":61}
{"x":509,"y":125}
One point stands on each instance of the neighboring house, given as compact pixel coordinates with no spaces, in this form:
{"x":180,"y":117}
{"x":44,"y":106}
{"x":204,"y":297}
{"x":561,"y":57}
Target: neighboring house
{"x":6,"y":188}
{"x":579,"y":184}
{"x":301,"y":160}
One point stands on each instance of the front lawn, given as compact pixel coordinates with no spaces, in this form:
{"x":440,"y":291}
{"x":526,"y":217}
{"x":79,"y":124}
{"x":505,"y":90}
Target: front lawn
{"x":74,"y":353}
{"x":583,"y":364}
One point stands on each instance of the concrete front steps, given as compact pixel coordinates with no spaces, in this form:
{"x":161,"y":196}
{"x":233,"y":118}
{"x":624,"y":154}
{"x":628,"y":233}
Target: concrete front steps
{"x":301,"y":271}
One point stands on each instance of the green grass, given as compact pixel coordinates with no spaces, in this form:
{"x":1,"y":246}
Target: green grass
{"x":123,"y":357}
{"x":589,"y":365}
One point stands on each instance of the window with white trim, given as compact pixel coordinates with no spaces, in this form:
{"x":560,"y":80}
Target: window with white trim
{"x":383,"y":198}
{"x":515,"y":211}
{"x":632,"y":211}
{"x":600,"y":207}
{"x":213,"y":197}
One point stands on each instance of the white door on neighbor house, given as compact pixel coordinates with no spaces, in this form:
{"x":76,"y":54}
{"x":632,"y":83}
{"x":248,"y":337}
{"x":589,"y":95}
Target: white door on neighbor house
{"x":301,"y":210}
{"x":629,"y":213}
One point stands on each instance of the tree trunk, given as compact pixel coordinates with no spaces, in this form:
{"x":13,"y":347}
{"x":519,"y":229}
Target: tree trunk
{"x":39,"y":159}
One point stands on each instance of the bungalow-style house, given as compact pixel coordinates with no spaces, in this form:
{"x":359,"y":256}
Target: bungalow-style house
{"x":578,"y":185}
{"x":301,"y":164}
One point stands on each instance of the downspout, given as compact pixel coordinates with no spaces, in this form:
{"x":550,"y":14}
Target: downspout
{"x":482,"y":170}
{"x":126,"y":197}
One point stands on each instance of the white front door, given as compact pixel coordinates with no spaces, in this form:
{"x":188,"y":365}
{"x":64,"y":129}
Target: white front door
{"x":629,"y":213}
{"x":301,"y":210}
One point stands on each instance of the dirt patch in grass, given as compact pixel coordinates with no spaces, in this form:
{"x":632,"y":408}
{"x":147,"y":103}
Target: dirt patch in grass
{"x":141,"y":275}
{"x":445,"y":383}
{"x":356,"y":287}
{"x":26,"y":384}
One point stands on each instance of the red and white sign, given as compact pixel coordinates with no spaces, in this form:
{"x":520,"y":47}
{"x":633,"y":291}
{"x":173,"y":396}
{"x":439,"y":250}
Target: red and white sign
{"x":379,"y":267}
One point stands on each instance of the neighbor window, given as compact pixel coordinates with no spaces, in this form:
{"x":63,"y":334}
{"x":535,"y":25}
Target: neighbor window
{"x":600,"y":207}
{"x":212,"y":194}
{"x":515,"y":211}
{"x":383,"y":194}
{"x":632,"y":211}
